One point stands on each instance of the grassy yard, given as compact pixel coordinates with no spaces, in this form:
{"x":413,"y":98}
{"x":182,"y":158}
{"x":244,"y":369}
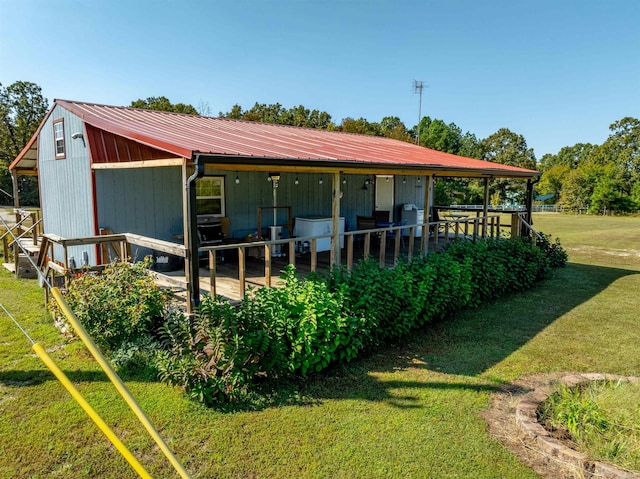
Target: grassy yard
{"x":410,"y":410}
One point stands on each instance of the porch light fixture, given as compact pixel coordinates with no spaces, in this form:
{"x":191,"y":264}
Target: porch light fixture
{"x":296,"y":182}
{"x":344,"y":179}
{"x":419,"y":180}
{"x":404,"y":180}
{"x":79,"y":136}
{"x":237,"y":179}
{"x":274,"y":177}
{"x":321,"y":180}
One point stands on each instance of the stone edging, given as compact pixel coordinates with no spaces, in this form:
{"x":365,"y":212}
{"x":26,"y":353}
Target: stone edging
{"x":527,"y":421}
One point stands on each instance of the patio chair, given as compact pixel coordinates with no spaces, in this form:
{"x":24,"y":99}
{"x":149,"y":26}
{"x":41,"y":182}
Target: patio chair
{"x":381,"y":217}
{"x":365,"y":223}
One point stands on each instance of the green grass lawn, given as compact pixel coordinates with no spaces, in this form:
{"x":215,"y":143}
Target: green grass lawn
{"x":410,"y":410}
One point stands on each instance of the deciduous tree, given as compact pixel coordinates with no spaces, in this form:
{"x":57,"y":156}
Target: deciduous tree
{"x":162,"y":103}
{"x":22,"y":108}
{"x":508,"y":148}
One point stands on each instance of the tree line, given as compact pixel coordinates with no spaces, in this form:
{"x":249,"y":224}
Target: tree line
{"x":599,"y":178}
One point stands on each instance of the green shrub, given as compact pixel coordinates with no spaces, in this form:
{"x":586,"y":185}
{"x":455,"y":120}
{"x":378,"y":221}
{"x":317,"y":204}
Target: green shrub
{"x":211,"y":355}
{"x":137,"y":358}
{"x":307,"y":325}
{"x":553,"y":250}
{"x":121,"y":304}
{"x":303,"y":326}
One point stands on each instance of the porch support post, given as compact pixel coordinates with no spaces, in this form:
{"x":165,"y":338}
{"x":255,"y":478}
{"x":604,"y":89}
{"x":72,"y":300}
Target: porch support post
{"x":186,"y":233}
{"x":14,"y":183}
{"x":485,"y":207}
{"x":529,"y":202}
{"x":191,"y":266}
{"x":427,"y":212}
{"x":335,"y":221}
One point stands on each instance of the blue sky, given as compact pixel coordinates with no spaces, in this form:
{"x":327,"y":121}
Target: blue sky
{"x":557,"y":72}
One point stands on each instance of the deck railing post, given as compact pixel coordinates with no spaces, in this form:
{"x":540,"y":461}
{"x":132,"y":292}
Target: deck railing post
{"x":383,"y":247}
{"x":367,"y":244}
{"x":436,"y":229}
{"x":350,"y":252}
{"x":412,"y":238}
{"x":396,"y":250}
{"x":267,"y":265}
{"x":424,"y":239}
{"x":242,"y":270}
{"x":314,"y":254}
{"x":292,"y":252}
{"x":212,"y":273}
{"x":515,"y":225}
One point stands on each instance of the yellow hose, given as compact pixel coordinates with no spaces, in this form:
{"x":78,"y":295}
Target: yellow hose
{"x":46,"y":359}
{"x":117,"y":382}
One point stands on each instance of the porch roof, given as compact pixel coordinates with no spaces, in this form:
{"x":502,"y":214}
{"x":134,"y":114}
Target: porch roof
{"x":235,"y":142}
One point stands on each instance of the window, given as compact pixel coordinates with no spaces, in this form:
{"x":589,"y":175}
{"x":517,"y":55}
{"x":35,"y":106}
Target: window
{"x":210,"y":196}
{"x":58,"y":136}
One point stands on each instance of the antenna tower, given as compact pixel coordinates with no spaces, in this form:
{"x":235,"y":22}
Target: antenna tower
{"x":418,"y":86}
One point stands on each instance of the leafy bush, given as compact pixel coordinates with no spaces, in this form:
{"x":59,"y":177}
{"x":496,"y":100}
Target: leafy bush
{"x":306,"y":323}
{"x":137,"y":358}
{"x":212,"y":355}
{"x":500,"y":266}
{"x":121,"y":304}
{"x":557,"y":255}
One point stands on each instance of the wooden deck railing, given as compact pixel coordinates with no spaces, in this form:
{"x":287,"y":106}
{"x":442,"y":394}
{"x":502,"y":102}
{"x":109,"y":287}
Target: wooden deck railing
{"x":419,"y":238}
{"x":432,"y":237}
{"x":49,"y":265}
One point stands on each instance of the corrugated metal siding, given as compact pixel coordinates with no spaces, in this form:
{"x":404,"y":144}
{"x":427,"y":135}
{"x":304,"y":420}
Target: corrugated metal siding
{"x":109,"y":148}
{"x":410,"y":192}
{"x":307,"y":198}
{"x":146,"y":201}
{"x":65,"y":185}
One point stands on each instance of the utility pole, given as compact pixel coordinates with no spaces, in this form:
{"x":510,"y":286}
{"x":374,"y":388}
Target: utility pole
{"x":418,"y":86}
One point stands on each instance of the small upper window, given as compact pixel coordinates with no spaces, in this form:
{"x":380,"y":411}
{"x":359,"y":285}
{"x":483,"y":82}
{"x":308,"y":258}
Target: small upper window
{"x":58,"y":136}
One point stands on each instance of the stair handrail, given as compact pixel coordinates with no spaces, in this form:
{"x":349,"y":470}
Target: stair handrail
{"x":529,"y":227}
{"x":24,"y":232}
{"x":19,"y":223}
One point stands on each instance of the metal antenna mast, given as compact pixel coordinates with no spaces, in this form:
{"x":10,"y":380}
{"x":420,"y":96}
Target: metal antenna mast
{"x":418,"y":86}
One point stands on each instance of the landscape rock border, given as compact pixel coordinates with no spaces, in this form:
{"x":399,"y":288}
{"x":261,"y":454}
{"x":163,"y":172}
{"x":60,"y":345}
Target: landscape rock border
{"x":513,"y":420}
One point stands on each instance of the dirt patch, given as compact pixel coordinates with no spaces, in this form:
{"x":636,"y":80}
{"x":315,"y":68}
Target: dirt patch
{"x":534,"y":452}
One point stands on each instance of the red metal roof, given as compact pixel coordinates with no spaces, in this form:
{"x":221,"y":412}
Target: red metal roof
{"x":187,"y":135}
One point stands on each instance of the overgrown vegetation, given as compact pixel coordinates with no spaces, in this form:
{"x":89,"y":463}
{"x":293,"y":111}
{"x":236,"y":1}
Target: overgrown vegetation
{"x":119,"y":306}
{"x":298,"y":328}
{"x":602,"y":418}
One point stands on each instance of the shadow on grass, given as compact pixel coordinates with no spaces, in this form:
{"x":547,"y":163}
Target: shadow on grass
{"x":474,"y":340}
{"x":34,"y":377}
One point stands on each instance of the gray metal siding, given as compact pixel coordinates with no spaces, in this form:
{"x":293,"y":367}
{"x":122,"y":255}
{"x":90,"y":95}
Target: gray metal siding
{"x":410,"y":192}
{"x":65,"y":185}
{"x":307,"y":198}
{"x":146,"y":201}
